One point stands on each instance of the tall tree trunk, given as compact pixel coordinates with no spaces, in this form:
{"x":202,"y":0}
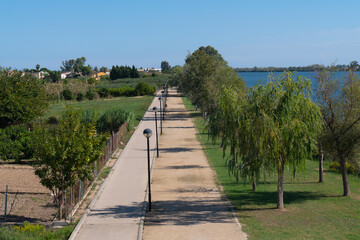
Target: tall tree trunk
{"x":254,"y":184}
{"x":222,"y":141}
{"x":61,"y":205}
{"x":321,"y":168}
{"x":280,"y":190}
{"x":346,"y":186}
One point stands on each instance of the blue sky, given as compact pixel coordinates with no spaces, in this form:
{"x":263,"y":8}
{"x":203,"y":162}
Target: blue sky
{"x":143,"y":33}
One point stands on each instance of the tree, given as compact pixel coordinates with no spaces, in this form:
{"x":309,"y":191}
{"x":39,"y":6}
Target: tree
{"x":165,"y":67}
{"x":54,"y":76}
{"x":199,"y":70}
{"x":37,"y":67}
{"x":353,"y":66}
{"x":86,"y":70}
{"x":66,"y":153}
{"x":273,"y":126}
{"x":103,"y":69}
{"x":22,"y":98}
{"x":289,"y":124}
{"x":339,"y":102}
{"x":73,"y":65}
{"x":134,"y":73}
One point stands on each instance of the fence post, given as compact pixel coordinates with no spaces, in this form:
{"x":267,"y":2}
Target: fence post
{"x":65,"y":204}
{"x":81,"y":189}
{"x":71,"y":204}
{"x":6,"y":196}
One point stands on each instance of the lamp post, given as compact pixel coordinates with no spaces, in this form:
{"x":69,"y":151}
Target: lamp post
{"x":160,"y":99}
{"x":147,"y":133}
{"x":164,"y":104}
{"x":155,"y":109}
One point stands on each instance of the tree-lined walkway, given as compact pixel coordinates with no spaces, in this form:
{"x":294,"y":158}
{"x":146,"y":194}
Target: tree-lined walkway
{"x":186,"y":201}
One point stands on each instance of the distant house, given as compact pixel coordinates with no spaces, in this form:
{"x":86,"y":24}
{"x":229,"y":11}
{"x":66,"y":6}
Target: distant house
{"x":102,"y":74}
{"x":39,"y":75}
{"x":155,"y":69}
{"x":149,"y":70}
{"x":66,"y":75}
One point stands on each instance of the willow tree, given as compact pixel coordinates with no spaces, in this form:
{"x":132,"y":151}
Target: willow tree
{"x":340,"y":106}
{"x":290,"y":124}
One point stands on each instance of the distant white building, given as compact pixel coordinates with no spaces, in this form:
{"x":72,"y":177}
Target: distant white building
{"x":65,"y":75}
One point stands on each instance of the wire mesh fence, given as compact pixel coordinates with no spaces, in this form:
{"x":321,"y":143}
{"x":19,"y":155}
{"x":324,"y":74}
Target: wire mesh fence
{"x":27,"y":200}
{"x":74,"y":195}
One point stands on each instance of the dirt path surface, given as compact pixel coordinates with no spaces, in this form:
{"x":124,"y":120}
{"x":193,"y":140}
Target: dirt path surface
{"x":186,"y":203}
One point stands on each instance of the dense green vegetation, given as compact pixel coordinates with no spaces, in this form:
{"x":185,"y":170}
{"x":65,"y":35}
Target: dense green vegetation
{"x":34,"y":232}
{"x":137,"y":105}
{"x":65,"y":153}
{"x":22,"y":98}
{"x":156,"y":81}
{"x":313,"y":210}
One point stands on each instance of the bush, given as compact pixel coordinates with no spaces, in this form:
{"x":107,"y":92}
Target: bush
{"x":91,"y":81}
{"x":90,"y":95}
{"x":88,"y":116}
{"x":112,"y":120}
{"x":103,"y":92}
{"x":52,"y":120}
{"x":143,"y":88}
{"x":34,"y":232}
{"x":351,"y":168}
{"x":80,"y":97}
{"x":105,"y":78}
{"x":123,"y":91}
{"x":15,"y":143}
{"x":67,"y":94}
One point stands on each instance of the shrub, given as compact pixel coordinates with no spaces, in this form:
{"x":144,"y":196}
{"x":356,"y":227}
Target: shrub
{"x":90,"y":95}
{"x":52,"y":120}
{"x":91,"y":81}
{"x":103,"y":92}
{"x":80,"y":97}
{"x":15,"y":143}
{"x":112,"y":120}
{"x":105,"y":77}
{"x":67,"y":94}
{"x":34,"y":232}
{"x":88,"y":116}
{"x":142,"y":88}
{"x":123,"y":91}
{"x":351,"y":168}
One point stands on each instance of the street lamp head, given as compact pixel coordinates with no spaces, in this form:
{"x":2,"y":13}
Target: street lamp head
{"x":147,"y":132}
{"x":155,"y":109}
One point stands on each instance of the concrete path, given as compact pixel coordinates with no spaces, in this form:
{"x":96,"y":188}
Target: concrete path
{"x":186,"y":201}
{"x":116,"y":211}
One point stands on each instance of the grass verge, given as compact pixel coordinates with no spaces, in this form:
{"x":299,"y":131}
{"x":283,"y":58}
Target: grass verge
{"x":313,"y":210}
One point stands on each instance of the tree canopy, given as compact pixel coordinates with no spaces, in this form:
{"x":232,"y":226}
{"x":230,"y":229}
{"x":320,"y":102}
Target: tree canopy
{"x":65,"y":154}
{"x":22,"y":98}
{"x":339,"y":101}
{"x":73,"y":65}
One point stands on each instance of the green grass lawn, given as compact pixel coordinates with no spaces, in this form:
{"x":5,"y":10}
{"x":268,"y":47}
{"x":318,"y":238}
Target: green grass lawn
{"x":138,"y":105}
{"x":312,"y":210}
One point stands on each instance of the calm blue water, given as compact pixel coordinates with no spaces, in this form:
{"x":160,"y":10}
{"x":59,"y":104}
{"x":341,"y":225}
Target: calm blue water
{"x":253,"y":78}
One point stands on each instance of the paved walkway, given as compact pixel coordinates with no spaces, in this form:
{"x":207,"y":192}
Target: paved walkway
{"x":116,"y":211}
{"x":186,"y":201}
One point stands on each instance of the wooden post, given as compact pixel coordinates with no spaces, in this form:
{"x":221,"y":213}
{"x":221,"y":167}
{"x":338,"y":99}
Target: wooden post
{"x":6,"y":196}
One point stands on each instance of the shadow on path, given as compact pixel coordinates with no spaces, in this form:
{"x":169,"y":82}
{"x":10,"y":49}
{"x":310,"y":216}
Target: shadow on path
{"x":188,"y":212}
